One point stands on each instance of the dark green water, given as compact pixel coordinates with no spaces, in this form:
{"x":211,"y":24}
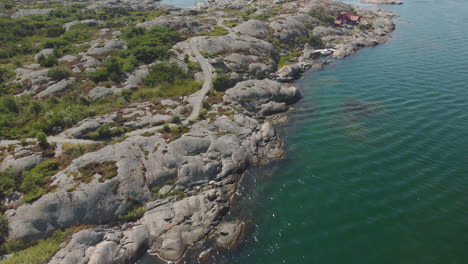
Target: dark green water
{"x":377,"y":166}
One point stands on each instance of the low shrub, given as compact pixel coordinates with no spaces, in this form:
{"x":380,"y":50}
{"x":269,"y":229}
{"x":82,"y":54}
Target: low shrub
{"x":47,"y":61}
{"x":35,"y":180}
{"x":54,"y":32}
{"x":165,"y":73}
{"x":3,"y":229}
{"x":135,"y":211}
{"x":59,"y":73}
{"x":105,"y":132}
{"x":217,"y":31}
{"x":43,"y":250}
{"x":99,"y":75}
{"x":42,"y":139}
{"x":107,"y":169}
{"x":324,"y":18}
{"x":7,"y":182}
{"x":223,"y":82}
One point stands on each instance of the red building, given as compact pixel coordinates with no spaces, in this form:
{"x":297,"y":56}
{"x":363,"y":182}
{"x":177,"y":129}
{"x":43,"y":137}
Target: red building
{"x":347,"y":18}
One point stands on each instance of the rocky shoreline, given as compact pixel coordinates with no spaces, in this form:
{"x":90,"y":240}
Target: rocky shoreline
{"x":196,"y":174}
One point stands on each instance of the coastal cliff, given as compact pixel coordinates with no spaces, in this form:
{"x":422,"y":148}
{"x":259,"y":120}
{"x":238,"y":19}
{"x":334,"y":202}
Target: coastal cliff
{"x":168,"y":184}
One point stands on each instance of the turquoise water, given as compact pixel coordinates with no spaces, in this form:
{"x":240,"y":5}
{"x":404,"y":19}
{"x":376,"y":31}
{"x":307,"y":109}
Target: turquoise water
{"x":377,"y":165}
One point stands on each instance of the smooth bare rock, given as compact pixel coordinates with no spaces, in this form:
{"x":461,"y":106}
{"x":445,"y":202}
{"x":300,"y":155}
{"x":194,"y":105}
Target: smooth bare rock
{"x":68,"y":58}
{"x":82,"y":128}
{"x":288,"y":73}
{"x":252,"y":27}
{"x":272,"y":108}
{"x":253,"y":93}
{"x":31,"y":12}
{"x":190,"y":145}
{"x":44,"y":53}
{"x":229,"y":234}
{"x":222,"y":4}
{"x":99,"y":92}
{"x":20,"y":164}
{"x":288,"y":27}
{"x":89,"y":22}
{"x":57,"y":88}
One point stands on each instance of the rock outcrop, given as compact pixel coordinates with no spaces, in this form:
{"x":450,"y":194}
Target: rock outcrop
{"x":382,"y":2}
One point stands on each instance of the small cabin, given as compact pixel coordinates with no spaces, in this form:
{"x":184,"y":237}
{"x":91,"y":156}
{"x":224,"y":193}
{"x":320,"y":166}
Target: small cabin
{"x":347,"y":18}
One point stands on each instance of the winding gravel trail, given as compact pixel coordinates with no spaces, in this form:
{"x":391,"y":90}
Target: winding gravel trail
{"x":197,"y":101}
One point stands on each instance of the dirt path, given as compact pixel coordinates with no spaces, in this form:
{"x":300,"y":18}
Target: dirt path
{"x":197,"y":101}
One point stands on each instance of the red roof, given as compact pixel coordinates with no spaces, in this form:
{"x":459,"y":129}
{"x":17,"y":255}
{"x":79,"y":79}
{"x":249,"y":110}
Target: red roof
{"x":349,"y":15}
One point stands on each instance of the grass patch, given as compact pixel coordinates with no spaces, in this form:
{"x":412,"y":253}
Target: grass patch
{"x":107,"y":169}
{"x":135,"y":211}
{"x":285,"y":59}
{"x":231,"y":24}
{"x":36,"y":180}
{"x":43,"y":250}
{"x":217,"y":31}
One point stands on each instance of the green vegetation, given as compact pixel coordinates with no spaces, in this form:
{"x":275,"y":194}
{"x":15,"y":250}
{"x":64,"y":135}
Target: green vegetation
{"x":144,"y":46}
{"x":217,"y":31}
{"x":194,"y":66}
{"x":324,"y":18}
{"x":135,"y":211}
{"x":171,"y":80}
{"x":231,"y":24}
{"x":35,"y":181}
{"x":105,"y":132}
{"x":3,"y":229}
{"x":285,"y":60}
{"x":47,"y":61}
{"x":149,"y":45}
{"x":223,"y":82}
{"x":107,"y":169}
{"x":7,"y":182}
{"x":59,"y":73}
{"x":42,"y":250}
{"x":42,"y":139}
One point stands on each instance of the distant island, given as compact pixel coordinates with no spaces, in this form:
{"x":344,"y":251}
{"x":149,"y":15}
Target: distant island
{"x":126,"y":126}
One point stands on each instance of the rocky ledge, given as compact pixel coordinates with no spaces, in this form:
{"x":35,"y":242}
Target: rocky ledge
{"x":382,"y":2}
{"x":182,"y":187}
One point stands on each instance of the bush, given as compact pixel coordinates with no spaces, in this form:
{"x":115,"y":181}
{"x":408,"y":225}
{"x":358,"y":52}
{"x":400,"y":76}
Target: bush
{"x":59,"y":73}
{"x":135,"y":211}
{"x":3,"y":229}
{"x":104,"y":132}
{"x":217,"y":31}
{"x":165,"y":73}
{"x":48,"y":61}
{"x":9,"y":104}
{"x":175,"y":119}
{"x":42,"y":139}
{"x":5,"y":75}
{"x":35,"y":180}
{"x":324,"y":18}
{"x":7,"y":182}
{"x":99,"y":75}
{"x":315,"y":42}
{"x":223,"y":82}
{"x":54,"y":32}
{"x":150,"y":45}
